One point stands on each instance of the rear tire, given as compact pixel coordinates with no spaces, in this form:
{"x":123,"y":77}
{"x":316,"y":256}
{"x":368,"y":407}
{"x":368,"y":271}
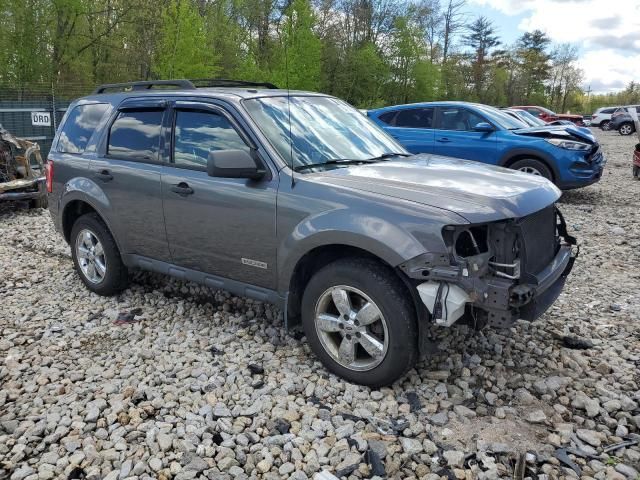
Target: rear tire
{"x":372,"y":346}
{"x":533,"y":167}
{"x":606,"y":125}
{"x":96,"y":256}
{"x":626,"y":129}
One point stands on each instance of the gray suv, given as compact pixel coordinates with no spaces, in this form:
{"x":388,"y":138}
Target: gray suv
{"x":297,"y":199}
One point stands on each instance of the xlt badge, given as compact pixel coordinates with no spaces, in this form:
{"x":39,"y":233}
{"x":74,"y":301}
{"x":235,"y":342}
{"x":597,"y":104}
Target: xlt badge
{"x":254,"y":263}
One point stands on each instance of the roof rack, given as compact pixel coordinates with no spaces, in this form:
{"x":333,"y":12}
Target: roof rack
{"x":145,"y":85}
{"x":180,"y":84}
{"x":223,"y":82}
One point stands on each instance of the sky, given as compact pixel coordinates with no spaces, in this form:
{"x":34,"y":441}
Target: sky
{"x":607,"y":33}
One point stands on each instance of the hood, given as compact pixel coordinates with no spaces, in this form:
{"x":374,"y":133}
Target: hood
{"x":477,"y":192}
{"x":559,"y":131}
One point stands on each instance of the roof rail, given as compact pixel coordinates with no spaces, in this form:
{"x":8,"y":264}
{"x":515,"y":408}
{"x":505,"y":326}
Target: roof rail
{"x":145,"y":85}
{"x":223,"y":82}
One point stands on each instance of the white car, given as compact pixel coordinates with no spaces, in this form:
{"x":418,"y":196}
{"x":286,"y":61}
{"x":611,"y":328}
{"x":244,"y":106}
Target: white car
{"x":602,"y":117}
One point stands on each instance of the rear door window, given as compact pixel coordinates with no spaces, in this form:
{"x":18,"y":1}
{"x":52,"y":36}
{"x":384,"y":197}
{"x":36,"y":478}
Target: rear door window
{"x":135,"y":135}
{"x":415,"y":118}
{"x":80,"y":125}
{"x":197,"y":133}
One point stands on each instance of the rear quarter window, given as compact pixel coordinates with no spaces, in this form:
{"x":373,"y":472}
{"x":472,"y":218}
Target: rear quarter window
{"x":80,"y":125}
{"x":388,"y":117}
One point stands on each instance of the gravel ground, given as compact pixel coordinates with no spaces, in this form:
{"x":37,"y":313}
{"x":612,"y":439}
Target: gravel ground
{"x":206,"y":385}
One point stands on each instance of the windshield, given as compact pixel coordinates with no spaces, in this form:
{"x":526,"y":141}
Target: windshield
{"x":323,"y":129}
{"x":530,"y":119}
{"x":500,"y":118}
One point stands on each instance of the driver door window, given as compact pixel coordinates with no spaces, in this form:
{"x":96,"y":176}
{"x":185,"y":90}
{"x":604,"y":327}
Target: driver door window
{"x":458,"y":119}
{"x":197,"y":133}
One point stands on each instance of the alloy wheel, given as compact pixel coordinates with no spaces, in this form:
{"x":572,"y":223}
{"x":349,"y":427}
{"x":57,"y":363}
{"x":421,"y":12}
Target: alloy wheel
{"x":625,"y":130}
{"x":351,"y":328}
{"x":91,"y":256}
{"x":530,"y":170}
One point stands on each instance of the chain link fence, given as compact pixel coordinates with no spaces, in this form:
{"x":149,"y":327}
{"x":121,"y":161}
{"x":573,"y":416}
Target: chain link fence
{"x":34,"y":111}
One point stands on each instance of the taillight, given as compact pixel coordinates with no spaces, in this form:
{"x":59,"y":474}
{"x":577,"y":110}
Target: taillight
{"x":48,"y":172}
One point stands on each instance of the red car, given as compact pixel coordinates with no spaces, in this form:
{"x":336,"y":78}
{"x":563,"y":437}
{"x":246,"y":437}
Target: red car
{"x":549,"y":116}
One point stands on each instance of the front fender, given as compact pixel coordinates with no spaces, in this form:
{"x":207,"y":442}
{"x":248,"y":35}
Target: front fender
{"x":388,"y":241}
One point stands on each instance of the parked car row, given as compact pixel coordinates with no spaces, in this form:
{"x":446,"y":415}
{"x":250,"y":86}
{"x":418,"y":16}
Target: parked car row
{"x":568,"y":155}
{"x":297,"y":199}
{"x":622,"y":121}
{"x":616,"y":118}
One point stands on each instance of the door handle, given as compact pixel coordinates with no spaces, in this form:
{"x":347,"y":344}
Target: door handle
{"x":182,"y":188}
{"x":443,"y":140}
{"x":104,"y":175}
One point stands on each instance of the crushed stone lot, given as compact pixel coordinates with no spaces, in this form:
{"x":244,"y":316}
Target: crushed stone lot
{"x":193,"y":383}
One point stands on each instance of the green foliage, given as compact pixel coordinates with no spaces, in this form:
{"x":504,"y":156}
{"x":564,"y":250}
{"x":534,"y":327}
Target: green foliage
{"x":371,"y":53}
{"x":183,"y":50}
{"x":298,"y":56}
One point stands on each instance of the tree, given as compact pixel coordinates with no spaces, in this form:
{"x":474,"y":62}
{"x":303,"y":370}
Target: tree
{"x":534,"y":65}
{"x":481,"y":37}
{"x":299,"y":64}
{"x":182,"y":49}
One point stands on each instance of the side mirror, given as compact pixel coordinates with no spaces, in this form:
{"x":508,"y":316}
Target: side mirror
{"x":483,"y":127}
{"x":234,"y":164}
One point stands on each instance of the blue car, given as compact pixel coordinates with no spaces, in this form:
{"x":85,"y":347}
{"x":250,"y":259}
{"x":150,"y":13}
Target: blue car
{"x":567,"y":156}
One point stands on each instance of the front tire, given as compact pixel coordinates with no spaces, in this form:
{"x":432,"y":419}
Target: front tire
{"x":626,"y":129}
{"x":360,"y":322}
{"x":96,"y":256}
{"x":533,"y":167}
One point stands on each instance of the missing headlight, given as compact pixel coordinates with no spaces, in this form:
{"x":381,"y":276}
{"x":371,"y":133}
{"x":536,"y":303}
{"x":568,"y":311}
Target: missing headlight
{"x":471,"y":241}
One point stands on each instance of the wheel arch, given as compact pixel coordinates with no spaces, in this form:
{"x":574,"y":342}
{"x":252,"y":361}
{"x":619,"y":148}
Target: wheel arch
{"x":74,"y":209}
{"x":523,"y":154}
{"x":318,"y":257}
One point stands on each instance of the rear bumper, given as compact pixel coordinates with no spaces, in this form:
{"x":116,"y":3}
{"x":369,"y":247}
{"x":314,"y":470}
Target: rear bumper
{"x":28,"y":191}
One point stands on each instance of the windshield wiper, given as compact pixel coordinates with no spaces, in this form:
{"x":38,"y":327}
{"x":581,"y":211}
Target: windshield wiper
{"x":338,"y":161}
{"x":350,"y":161}
{"x":384,"y":156}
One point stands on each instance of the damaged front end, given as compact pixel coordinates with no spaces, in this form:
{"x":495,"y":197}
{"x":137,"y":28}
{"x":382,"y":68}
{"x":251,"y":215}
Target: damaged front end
{"x":22,"y":172}
{"x":496,"y":273}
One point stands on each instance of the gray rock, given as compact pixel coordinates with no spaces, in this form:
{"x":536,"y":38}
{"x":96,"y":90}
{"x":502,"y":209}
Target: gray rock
{"x":155,"y":464}
{"x":627,"y":471}
{"x":411,"y":446}
{"x":589,"y":436}
{"x":22,"y":472}
{"x":536,"y":416}
{"x":439,"y":419}
{"x":197,"y":464}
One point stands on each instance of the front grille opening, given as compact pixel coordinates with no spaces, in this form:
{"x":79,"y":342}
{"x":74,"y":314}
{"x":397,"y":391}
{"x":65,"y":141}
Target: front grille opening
{"x":472,"y":241}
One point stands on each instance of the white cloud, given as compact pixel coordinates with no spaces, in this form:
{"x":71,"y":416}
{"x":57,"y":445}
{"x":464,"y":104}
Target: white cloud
{"x":607,"y":32}
{"x":607,"y":70}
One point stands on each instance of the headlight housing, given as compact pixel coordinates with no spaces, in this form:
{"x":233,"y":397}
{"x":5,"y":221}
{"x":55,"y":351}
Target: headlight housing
{"x":569,"y":144}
